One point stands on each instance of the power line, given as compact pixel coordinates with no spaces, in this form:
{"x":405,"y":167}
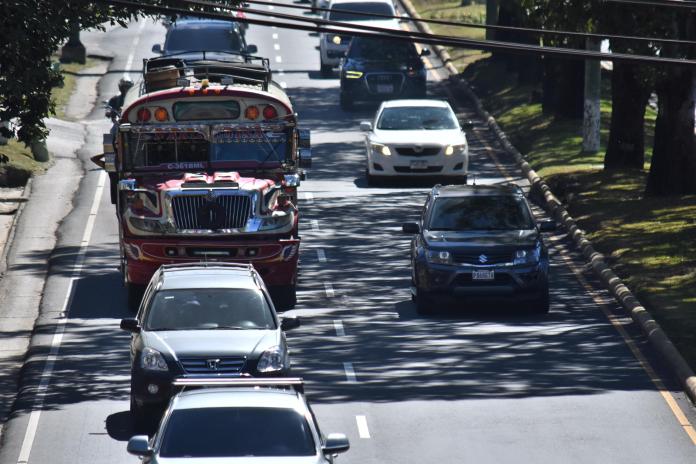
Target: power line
{"x":339,"y":28}
{"x":673,"y":3}
{"x":494,"y":27}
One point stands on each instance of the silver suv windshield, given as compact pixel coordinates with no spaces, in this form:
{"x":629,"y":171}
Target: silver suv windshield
{"x":209,"y":309}
{"x":491,"y":212}
{"x":236,"y":432}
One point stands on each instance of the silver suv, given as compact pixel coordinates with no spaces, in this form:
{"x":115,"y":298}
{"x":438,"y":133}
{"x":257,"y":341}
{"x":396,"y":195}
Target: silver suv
{"x":245,"y":420}
{"x":202,"y":320}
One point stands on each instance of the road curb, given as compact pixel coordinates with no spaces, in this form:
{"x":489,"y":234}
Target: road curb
{"x":22,"y":201}
{"x":652,"y":330}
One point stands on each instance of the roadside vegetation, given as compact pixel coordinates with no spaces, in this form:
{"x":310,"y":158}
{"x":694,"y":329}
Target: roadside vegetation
{"x":60,"y":95}
{"x":647,"y":239}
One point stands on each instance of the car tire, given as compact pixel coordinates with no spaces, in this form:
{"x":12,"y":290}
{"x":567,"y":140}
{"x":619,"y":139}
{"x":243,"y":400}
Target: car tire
{"x":134,"y":293}
{"x":346,"y":102}
{"x":542,"y":304}
{"x":326,"y":70}
{"x":284,"y":296}
{"x":424,"y":304}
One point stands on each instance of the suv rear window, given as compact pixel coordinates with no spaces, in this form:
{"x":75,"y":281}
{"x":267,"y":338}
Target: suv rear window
{"x":363,"y":48}
{"x":236,"y":432}
{"x":491,"y":212}
{"x":344,"y":12}
{"x":202,"y":37}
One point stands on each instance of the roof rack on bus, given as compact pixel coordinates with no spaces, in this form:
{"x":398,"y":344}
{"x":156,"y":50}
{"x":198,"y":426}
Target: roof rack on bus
{"x":165,"y":72}
{"x":296,"y":383}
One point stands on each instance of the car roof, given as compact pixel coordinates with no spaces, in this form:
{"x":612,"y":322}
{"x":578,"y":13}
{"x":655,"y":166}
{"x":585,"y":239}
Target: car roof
{"x":236,"y":397}
{"x":207,"y":276}
{"x":195,"y":23}
{"x":401,"y":103}
{"x":478,"y":190}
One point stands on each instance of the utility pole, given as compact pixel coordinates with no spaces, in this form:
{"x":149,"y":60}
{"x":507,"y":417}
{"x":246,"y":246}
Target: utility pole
{"x":592,"y":114}
{"x":491,"y":18}
{"x":73,"y":51}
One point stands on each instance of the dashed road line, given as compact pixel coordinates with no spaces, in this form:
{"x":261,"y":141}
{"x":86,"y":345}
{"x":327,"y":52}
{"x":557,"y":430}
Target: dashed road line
{"x":363,"y":430}
{"x":328,"y":288}
{"x":321,"y":255}
{"x":350,"y":372}
{"x":134,"y":47}
{"x":315,"y":225}
{"x":275,"y":36}
{"x":276,"y":46}
{"x":278,"y":59}
{"x":309,"y":197}
{"x":338,"y":326}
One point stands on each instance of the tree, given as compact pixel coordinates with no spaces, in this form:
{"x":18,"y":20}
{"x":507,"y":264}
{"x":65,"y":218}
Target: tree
{"x":30,"y":31}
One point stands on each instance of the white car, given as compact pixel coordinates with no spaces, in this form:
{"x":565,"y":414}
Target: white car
{"x":332,"y":47}
{"x":416,"y":138}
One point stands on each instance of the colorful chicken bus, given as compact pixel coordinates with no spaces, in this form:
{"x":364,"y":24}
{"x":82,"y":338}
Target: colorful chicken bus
{"x":204,"y":161}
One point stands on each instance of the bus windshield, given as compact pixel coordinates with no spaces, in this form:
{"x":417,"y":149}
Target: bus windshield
{"x":255,"y":146}
{"x":151,"y":149}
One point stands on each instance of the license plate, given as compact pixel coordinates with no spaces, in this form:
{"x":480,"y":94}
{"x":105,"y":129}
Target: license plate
{"x":483,"y":275}
{"x":385,"y":88}
{"x":419,"y":165}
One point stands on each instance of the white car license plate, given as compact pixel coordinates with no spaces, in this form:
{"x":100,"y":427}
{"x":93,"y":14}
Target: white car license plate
{"x":419,"y":164}
{"x":385,"y":88}
{"x":483,"y":275}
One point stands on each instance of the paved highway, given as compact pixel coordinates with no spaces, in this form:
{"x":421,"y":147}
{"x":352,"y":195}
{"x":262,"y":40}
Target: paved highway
{"x":487,"y":386}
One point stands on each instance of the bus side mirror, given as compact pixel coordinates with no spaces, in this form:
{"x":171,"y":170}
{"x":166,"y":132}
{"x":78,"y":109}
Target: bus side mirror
{"x":305,"y":157}
{"x":305,"y":148}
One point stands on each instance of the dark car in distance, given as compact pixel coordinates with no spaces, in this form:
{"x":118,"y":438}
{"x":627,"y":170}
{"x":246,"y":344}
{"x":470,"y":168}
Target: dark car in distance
{"x":476,"y":241}
{"x":189,"y":37}
{"x":376,"y":69}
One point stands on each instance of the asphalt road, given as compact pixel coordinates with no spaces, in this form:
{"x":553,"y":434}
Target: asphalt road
{"x":483,"y":385}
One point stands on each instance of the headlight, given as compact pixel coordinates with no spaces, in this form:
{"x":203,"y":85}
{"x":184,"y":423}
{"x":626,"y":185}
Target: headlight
{"x":272,"y":360}
{"x":382,"y":149}
{"x":528,"y":256}
{"x":279,"y":220}
{"x":152,"y":360}
{"x":455,"y":150}
{"x":336,"y":39}
{"x":354,"y":74}
{"x":439,"y":257}
{"x":147,"y":225}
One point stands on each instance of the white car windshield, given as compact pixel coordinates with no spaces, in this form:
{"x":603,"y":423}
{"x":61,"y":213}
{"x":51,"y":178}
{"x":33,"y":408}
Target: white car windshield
{"x":417,"y":118}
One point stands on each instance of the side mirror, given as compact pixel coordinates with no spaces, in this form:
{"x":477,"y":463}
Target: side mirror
{"x":336,"y":443}
{"x":547,"y":225}
{"x":366,"y":126}
{"x":130,"y":325}
{"x":425,"y":52}
{"x":157,"y":48}
{"x":139,"y":446}
{"x":305,"y":158}
{"x":289,"y":323}
{"x":251,"y":49}
{"x":410,"y":228}
{"x":304,"y":142}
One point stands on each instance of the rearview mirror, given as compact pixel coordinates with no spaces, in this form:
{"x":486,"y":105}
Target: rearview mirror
{"x":251,"y":49}
{"x":410,"y":228}
{"x":130,"y":325}
{"x":336,"y":443}
{"x":139,"y":446}
{"x":366,"y":126}
{"x":157,"y":48}
{"x":547,"y":225}
{"x":289,"y":323}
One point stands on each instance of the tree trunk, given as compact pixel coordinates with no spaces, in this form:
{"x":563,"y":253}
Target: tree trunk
{"x":491,"y":17}
{"x":629,"y":96}
{"x":673,"y":168}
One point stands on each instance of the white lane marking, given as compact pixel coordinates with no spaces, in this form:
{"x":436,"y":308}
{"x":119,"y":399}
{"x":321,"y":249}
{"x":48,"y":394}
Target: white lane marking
{"x":309,"y":197}
{"x":134,"y":47}
{"x":338,"y":326}
{"x":350,"y":372}
{"x":33,"y":425}
{"x":315,"y":225}
{"x":284,"y":84}
{"x":276,"y":46}
{"x":275,"y":36}
{"x":321,"y":256}
{"x":328,"y":288}
{"x":278,"y":59}
{"x":270,"y":7}
{"x":363,"y":431}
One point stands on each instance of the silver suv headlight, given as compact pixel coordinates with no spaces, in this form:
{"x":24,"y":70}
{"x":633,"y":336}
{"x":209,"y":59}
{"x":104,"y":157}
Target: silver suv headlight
{"x":528,"y":256}
{"x":152,"y":360}
{"x":273,"y":359}
{"x":438,"y":257}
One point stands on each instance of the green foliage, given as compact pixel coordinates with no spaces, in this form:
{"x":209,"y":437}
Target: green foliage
{"x":30,"y":31}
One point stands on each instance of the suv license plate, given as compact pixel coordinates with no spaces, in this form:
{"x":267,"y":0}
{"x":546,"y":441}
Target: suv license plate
{"x":385,"y":88}
{"x":483,"y":275}
{"x":419,"y":165}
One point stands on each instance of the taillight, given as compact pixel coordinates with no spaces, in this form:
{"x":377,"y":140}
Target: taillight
{"x":161,"y":114}
{"x":269,"y":112}
{"x":144,"y":115}
{"x":252,"y":112}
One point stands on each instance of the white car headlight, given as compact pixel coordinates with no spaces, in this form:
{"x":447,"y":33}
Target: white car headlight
{"x":272,"y":360}
{"x":152,"y":360}
{"x":455,"y":150}
{"x":381,"y":149}
{"x":439,"y":257}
